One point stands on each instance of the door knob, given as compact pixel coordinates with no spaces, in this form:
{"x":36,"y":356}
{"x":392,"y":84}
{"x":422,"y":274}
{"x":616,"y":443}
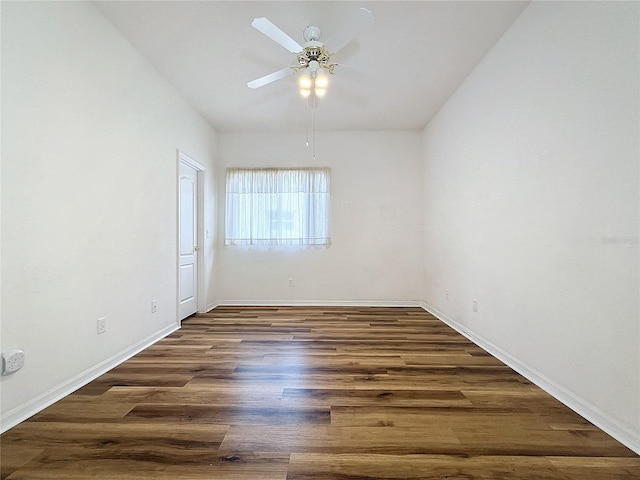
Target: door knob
{"x":196,"y":248}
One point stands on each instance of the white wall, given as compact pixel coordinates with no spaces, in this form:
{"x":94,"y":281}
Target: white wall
{"x":531,"y":206}
{"x":89,"y":139}
{"x":376,"y":221}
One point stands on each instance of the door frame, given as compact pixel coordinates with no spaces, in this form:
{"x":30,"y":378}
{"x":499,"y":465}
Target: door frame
{"x":183,"y":158}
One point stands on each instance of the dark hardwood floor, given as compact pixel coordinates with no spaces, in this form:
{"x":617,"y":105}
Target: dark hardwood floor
{"x":312,"y":393}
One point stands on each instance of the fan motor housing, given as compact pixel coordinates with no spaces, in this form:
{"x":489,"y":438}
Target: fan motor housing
{"x":315,"y":52}
{"x":311,"y":33}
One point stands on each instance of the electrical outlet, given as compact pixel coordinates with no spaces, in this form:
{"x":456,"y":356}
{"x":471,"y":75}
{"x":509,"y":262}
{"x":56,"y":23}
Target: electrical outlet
{"x":291,"y":282}
{"x":102,"y":325}
{"x":474,"y":305}
{"x":154,"y":306}
{"x":12,"y":361}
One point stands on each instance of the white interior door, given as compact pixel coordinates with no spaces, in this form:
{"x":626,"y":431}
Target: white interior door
{"x":188,"y":241}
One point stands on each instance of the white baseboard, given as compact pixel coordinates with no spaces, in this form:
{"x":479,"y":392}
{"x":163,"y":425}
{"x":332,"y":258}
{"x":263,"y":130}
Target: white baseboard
{"x":21,"y":413}
{"x":320,"y":303}
{"x":580,"y":406}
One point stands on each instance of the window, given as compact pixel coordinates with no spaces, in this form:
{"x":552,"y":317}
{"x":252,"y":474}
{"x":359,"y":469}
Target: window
{"x":278,"y":206}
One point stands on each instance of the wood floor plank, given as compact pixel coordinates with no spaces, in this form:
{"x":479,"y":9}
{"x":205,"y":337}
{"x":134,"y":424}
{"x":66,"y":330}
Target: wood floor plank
{"x":610,"y":468}
{"x":330,"y":439}
{"x":15,"y":456}
{"x":359,"y":397}
{"x":204,"y":465}
{"x":343,"y":393}
{"x":85,"y":409}
{"x":230,"y":414}
{"x":486,"y":420}
{"x":188,"y":395}
{"x":418,"y":467}
{"x":123,"y":435}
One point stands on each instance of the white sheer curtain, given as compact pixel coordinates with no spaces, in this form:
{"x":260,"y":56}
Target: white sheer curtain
{"x":278,"y":206}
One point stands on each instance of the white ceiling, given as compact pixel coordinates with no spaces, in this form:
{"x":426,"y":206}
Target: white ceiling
{"x":413,"y":58}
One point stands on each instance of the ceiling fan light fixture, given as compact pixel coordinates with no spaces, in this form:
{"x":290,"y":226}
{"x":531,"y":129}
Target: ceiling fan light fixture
{"x":304,"y":82}
{"x":322,"y":81}
{"x":313,"y":79}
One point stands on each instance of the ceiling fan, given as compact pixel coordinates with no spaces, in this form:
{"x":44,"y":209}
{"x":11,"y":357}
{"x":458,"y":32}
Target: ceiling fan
{"x":311,"y":57}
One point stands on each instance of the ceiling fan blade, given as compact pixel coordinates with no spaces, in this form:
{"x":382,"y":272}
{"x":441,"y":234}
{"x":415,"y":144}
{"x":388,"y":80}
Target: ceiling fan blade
{"x":274,"y":33}
{"x":354,"y":74}
{"x":272,"y":77}
{"x":357,"y":24}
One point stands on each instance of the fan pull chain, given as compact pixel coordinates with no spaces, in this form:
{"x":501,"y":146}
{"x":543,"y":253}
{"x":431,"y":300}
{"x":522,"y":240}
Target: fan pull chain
{"x":307,"y":143}
{"x":314,"y":127}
